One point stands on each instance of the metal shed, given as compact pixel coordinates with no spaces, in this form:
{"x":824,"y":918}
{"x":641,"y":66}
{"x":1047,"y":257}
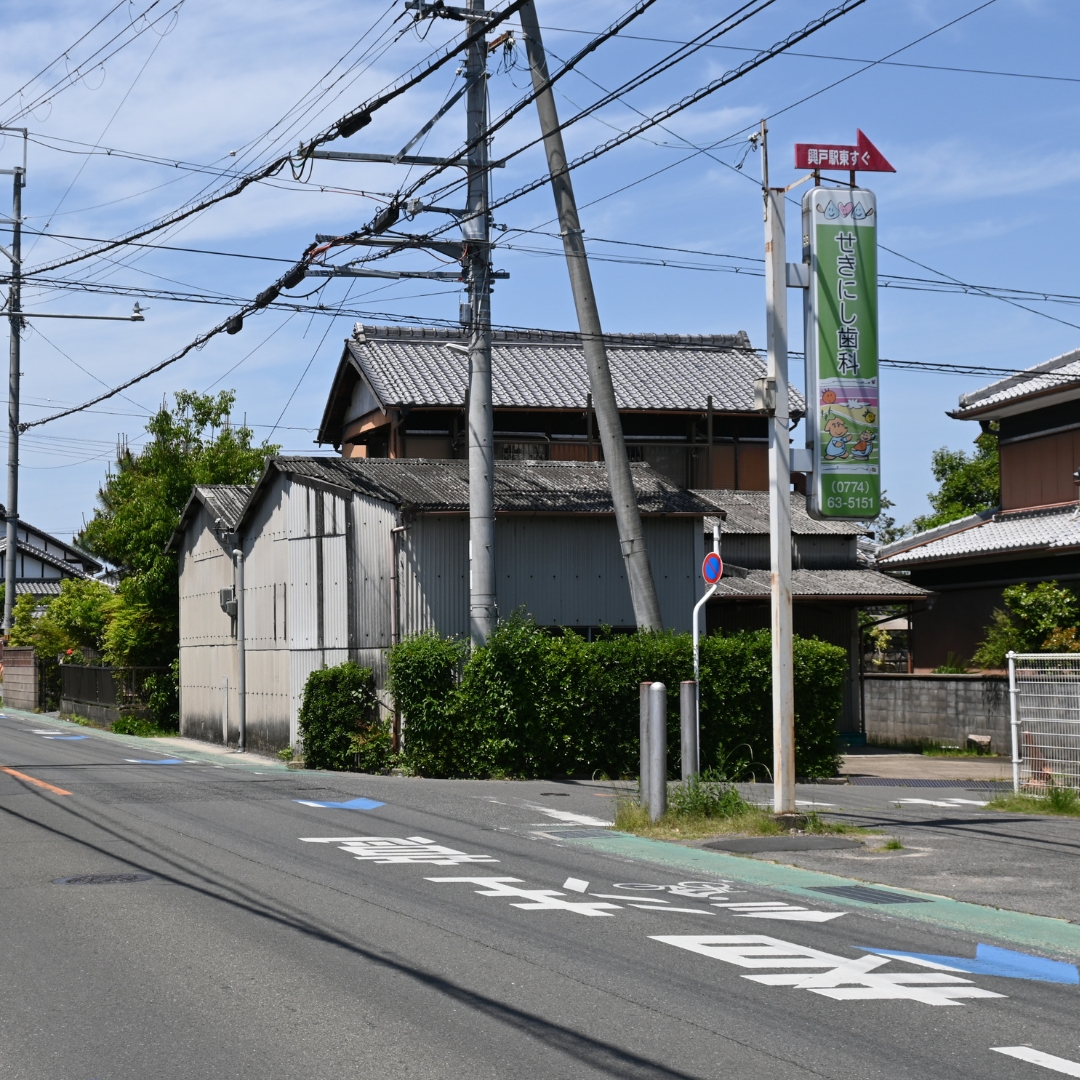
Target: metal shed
{"x":345,"y":556}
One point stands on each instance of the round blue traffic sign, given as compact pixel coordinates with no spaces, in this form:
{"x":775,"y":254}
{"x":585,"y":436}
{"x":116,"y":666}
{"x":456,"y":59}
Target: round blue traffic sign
{"x":712,"y":568}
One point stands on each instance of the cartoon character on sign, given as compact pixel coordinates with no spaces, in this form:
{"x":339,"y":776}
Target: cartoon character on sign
{"x":839,"y":437}
{"x":828,"y":397}
{"x":864,"y":447}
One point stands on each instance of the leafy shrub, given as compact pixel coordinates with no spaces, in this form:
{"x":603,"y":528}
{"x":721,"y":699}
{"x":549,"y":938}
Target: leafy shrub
{"x":134,"y":725}
{"x":706,"y":798}
{"x":1037,"y":618}
{"x":338,"y":722}
{"x":954,"y":665}
{"x":530,"y":703}
{"x":161,"y":692}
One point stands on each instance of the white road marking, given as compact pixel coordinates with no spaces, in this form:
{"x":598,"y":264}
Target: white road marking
{"x":626,"y":899}
{"x":538,"y":899}
{"x":46,"y":731}
{"x":575,"y":884}
{"x":392,"y":849}
{"x":813,"y":802}
{"x":691,"y":910}
{"x":843,"y":979}
{"x":945,"y":804}
{"x":1037,"y":1057}
{"x":698,"y":890}
{"x":571,"y":818}
{"x":778,"y":910}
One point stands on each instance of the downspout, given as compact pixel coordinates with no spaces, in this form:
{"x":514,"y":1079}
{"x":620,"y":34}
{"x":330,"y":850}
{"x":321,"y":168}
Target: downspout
{"x":241,"y":656}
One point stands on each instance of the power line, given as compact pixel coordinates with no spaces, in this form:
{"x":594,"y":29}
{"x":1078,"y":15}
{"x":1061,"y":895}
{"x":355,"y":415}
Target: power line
{"x":844,"y":59}
{"x":346,"y":126}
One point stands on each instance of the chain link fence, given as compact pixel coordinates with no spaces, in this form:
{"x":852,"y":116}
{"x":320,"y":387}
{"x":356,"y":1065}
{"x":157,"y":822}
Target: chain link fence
{"x":1044,"y":692}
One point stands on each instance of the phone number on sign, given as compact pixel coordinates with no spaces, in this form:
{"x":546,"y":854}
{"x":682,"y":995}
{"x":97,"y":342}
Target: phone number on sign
{"x":851,"y":502}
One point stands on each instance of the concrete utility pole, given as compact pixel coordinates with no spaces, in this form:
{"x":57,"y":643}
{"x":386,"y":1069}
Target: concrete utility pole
{"x":475,"y":232}
{"x":776,"y":401}
{"x":14,"y":308}
{"x":623,"y":496}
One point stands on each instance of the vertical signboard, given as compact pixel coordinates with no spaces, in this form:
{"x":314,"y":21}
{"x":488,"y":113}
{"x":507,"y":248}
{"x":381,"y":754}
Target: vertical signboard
{"x":840,"y":243}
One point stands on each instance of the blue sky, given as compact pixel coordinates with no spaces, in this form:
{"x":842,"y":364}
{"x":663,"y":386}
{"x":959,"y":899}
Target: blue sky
{"x":985,"y":164}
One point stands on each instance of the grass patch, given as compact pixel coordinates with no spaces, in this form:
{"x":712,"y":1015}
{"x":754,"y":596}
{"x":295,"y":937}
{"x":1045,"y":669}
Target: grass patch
{"x":954,"y":751}
{"x":892,"y":844}
{"x":1061,"y":801}
{"x":700,"y":809}
{"x":145,"y":729}
{"x":85,"y":721}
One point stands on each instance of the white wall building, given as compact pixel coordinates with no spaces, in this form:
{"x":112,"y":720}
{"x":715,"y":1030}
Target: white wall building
{"x":345,"y":556}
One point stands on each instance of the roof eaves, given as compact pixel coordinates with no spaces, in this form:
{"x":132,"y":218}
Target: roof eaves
{"x":907,"y":543}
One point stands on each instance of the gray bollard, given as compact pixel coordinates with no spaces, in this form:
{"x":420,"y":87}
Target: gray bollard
{"x":643,"y":768}
{"x":688,"y":727}
{"x":657,"y":751}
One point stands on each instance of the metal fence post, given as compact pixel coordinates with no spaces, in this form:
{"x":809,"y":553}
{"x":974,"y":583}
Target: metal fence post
{"x":657,"y":751}
{"x":643,"y":767}
{"x":1014,"y":721}
{"x":688,"y":691}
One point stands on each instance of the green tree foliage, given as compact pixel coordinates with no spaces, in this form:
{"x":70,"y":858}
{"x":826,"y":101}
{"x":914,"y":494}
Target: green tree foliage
{"x":1036,"y":618}
{"x":968,"y":483}
{"x":338,"y":722}
{"x":533,"y":704}
{"x":66,"y":624}
{"x":138,"y":508}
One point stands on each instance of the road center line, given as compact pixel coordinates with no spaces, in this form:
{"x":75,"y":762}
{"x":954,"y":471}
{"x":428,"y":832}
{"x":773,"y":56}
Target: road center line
{"x":1037,"y":1057}
{"x":34,"y":780}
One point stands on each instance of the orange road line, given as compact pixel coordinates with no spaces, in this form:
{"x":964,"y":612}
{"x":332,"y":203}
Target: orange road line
{"x":34,"y":780}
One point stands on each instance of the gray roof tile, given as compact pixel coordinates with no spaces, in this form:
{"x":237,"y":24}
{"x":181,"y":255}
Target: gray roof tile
{"x":545,"y":486}
{"x":1063,"y":372}
{"x":1051,"y":528}
{"x":748,"y":512}
{"x":546,"y":370}
{"x":866,"y":585}
{"x":225,"y":501}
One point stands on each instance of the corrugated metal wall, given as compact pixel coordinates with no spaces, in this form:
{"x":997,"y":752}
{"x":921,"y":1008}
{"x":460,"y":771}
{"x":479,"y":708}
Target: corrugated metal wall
{"x":372,"y":522}
{"x":433,"y":574}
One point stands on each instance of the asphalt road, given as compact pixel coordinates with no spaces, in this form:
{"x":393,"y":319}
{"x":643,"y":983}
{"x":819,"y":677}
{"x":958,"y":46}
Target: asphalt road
{"x":488,"y":933}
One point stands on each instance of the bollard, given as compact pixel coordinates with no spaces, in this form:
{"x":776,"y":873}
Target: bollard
{"x":657,"y":751}
{"x":688,"y":728}
{"x":643,"y":768}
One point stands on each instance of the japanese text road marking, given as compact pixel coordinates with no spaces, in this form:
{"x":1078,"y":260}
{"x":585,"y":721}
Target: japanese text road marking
{"x":842,"y":979}
{"x":35,"y":781}
{"x":538,"y":899}
{"x":1037,"y":1057}
{"x":392,"y":849}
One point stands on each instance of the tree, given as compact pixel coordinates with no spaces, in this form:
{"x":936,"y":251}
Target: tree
{"x":1038,"y":618}
{"x":968,"y":483}
{"x":139,"y":506}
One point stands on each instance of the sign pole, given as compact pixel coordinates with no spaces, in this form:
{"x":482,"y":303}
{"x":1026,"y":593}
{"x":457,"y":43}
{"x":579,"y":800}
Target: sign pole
{"x":712,"y":569}
{"x":783,"y":689}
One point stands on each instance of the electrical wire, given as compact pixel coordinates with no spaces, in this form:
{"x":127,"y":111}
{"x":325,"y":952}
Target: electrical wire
{"x":347,"y":125}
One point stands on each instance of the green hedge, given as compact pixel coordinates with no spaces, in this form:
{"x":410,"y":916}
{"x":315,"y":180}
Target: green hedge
{"x":338,"y":722}
{"x":533,"y":704}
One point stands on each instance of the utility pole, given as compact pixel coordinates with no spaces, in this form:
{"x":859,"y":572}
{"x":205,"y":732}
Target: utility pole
{"x":16,"y":318}
{"x":475,"y":234}
{"x":623,"y":496}
{"x":776,"y":402}
{"x":18,"y":176}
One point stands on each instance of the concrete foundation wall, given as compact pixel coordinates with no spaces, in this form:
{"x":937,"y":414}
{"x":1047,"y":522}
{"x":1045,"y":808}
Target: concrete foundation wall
{"x":938,"y":708}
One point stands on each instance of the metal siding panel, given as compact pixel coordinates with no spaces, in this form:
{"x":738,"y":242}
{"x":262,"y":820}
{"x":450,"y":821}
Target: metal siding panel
{"x":433,"y":575}
{"x":302,"y":596}
{"x":372,"y":522}
{"x":673,"y":546}
{"x":335,"y":590}
{"x":565,"y":571}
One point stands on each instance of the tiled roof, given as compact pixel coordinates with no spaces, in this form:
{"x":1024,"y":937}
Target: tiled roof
{"x":1049,"y":528}
{"x":72,"y":568}
{"x":225,"y":501}
{"x":546,"y":370}
{"x":748,"y":512}
{"x":865,"y":585}
{"x":544,"y":486}
{"x":1061,"y":373}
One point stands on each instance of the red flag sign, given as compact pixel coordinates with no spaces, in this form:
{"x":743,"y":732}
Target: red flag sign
{"x":864,"y":156}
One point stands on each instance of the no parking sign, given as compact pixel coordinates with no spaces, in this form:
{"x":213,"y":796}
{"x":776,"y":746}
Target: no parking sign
{"x":712,"y":568}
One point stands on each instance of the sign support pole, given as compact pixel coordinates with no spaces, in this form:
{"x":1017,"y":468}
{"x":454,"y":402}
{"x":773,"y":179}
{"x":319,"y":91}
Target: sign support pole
{"x":783,"y":689}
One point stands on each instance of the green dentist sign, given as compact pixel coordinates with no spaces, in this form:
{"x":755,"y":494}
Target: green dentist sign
{"x":842,"y":415}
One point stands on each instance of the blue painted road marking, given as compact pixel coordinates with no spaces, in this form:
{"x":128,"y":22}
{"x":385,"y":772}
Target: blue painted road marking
{"x":157,"y":761}
{"x":990,"y":960}
{"x":67,"y":738}
{"x":352,"y":804}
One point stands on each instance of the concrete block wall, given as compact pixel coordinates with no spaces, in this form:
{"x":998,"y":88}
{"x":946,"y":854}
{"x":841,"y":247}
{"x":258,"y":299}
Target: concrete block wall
{"x":20,"y":690}
{"x":940,"y":708}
